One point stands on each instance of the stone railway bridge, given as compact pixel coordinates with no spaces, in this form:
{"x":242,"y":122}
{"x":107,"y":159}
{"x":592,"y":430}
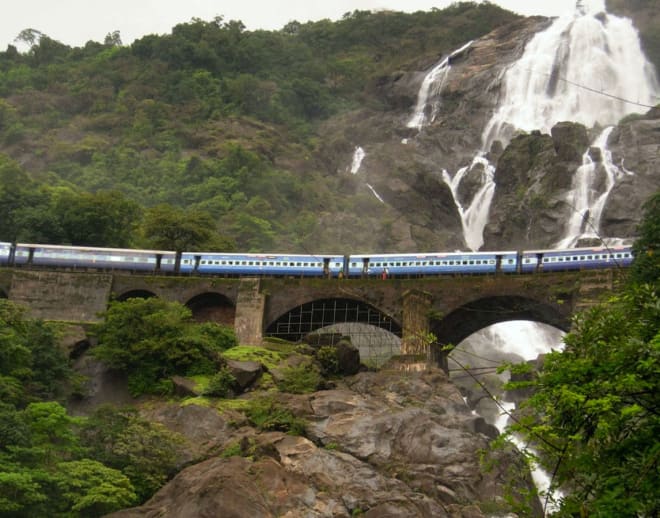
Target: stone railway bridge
{"x":449,"y":307}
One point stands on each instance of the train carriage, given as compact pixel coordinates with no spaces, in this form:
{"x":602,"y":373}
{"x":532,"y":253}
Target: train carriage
{"x":262,"y":264}
{"x":5,"y":252}
{"x":431,"y":264}
{"x":575,"y":259}
{"x":98,"y":258}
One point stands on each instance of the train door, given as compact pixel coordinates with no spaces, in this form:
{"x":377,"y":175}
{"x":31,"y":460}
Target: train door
{"x":198,"y":259}
{"x":159,"y":260}
{"x":327,"y":273}
{"x":498,"y":263}
{"x":539,"y":262}
{"x":12,"y":255}
{"x":365,"y":267}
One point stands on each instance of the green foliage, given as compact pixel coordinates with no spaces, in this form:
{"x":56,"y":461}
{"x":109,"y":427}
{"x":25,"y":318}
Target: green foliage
{"x":300,"y":379}
{"x":328,"y":358}
{"x":220,"y":383}
{"x":152,"y":339}
{"x":169,"y":228}
{"x":267,"y":415}
{"x":89,"y":489}
{"x":646,"y":266}
{"x":597,"y":401}
{"x":143,"y":451}
{"x":32,"y":366}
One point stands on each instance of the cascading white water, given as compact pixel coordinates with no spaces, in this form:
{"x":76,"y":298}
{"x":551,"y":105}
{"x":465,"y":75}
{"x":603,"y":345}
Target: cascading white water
{"x":378,"y":196}
{"x":358,"y":156}
{"x":592,"y":184}
{"x":580,"y":69}
{"x":431,"y":89}
{"x":587,"y":66}
{"x":511,"y":341}
{"x":475,"y":216}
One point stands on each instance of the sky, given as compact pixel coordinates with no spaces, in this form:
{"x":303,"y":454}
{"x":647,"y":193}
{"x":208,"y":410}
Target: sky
{"x":74,"y":22}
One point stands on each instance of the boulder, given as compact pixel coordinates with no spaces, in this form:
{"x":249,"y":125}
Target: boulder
{"x":348,"y":357}
{"x":184,"y":387}
{"x":245,"y":372}
{"x":570,"y":140}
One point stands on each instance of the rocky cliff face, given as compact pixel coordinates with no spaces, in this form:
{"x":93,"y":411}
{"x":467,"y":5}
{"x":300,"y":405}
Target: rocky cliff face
{"x":390,"y":443}
{"x":406,"y":167}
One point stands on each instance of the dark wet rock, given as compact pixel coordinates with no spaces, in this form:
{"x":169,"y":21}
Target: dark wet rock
{"x":245,"y":372}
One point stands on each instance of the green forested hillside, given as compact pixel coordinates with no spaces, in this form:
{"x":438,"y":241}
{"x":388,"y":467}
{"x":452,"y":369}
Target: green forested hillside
{"x":213,"y":119}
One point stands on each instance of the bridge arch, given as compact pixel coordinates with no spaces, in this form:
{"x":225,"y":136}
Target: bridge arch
{"x":295,"y":324}
{"x":212,"y":307}
{"x":478,"y":314}
{"x":3,"y":295}
{"x":135,"y":294}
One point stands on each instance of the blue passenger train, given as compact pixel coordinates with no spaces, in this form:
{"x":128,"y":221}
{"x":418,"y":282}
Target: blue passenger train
{"x":308,"y":265}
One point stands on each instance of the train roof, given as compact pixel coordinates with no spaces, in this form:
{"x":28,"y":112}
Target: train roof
{"x":425,"y":255}
{"x":584,"y":249}
{"x":94,"y":248}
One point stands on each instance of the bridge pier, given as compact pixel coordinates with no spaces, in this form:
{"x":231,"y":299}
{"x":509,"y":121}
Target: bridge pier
{"x":416,"y":338}
{"x":249,"y":319}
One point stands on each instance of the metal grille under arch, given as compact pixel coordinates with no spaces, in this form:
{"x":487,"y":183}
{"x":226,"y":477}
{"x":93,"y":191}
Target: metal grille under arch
{"x":302,"y":320}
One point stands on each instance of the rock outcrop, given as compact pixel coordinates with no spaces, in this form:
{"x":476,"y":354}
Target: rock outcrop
{"x":384,"y":443}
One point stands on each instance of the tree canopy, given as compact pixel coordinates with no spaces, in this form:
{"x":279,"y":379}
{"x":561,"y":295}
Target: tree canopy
{"x":594,"y":416}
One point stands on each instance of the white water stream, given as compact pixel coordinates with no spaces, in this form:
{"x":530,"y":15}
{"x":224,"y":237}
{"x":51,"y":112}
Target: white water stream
{"x":592,"y":184}
{"x":513,"y":342}
{"x":429,"y":93}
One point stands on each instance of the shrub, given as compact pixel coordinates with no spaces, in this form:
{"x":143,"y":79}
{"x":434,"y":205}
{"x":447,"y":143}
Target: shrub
{"x":328,"y":358}
{"x":300,"y":380}
{"x":220,"y":384}
{"x":267,"y":415}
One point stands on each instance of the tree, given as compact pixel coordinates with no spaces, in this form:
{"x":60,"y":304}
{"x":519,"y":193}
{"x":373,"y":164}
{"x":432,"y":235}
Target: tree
{"x":646,"y":267}
{"x":171,"y":228}
{"x":105,"y":218}
{"x":145,"y":452}
{"x":32,"y":366}
{"x":87,"y":488}
{"x":152,"y":339}
{"x":596,"y":408}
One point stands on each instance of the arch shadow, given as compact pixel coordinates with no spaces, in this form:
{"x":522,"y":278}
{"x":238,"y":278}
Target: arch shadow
{"x":212,"y":307}
{"x":3,"y":295}
{"x":135,"y":294}
{"x":297,"y":323}
{"x":481,"y":313}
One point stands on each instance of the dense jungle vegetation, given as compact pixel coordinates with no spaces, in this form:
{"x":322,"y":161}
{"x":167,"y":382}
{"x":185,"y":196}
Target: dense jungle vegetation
{"x":212,"y":123}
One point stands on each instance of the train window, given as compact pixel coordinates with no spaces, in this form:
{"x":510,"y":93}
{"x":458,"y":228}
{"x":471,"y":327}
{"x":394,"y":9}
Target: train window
{"x":203,"y":261}
{"x":185,"y":261}
{"x":223,"y":262}
{"x":397,"y":264}
{"x":575,"y":258}
{"x":545,"y":259}
{"x":590,"y":257}
{"x":471,"y":262}
{"x":243,"y":263}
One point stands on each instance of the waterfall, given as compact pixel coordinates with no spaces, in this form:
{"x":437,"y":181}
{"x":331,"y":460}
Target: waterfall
{"x":475,"y":216}
{"x":515,"y":341}
{"x":587,"y":67}
{"x":431,"y":89}
{"x":358,"y":156}
{"x":592,"y":184}
{"x":378,"y":197}
{"x":579,"y":69}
